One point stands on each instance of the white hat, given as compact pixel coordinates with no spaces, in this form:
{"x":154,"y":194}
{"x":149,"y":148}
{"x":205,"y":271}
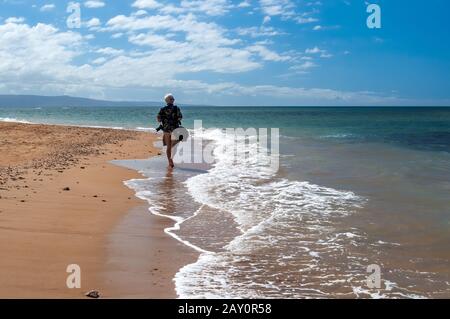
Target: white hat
{"x":167,"y":96}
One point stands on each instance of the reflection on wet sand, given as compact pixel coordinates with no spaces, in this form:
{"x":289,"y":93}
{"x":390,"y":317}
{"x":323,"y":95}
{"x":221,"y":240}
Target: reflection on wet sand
{"x":167,"y":189}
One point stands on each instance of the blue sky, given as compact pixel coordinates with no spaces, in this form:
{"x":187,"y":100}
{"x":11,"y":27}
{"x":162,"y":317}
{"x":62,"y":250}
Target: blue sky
{"x":245,"y":52}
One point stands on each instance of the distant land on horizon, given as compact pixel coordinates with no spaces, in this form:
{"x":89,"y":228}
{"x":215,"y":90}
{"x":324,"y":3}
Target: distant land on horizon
{"x":65,"y":100}
{"x":11,"y":100}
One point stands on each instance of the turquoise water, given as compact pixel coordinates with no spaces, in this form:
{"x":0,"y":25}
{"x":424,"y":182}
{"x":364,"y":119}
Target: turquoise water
{"x":419,"y":128}
{"x":356,"y":186}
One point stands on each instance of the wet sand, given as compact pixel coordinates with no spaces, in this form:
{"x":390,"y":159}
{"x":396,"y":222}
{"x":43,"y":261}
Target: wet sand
{"x":62,"y":203}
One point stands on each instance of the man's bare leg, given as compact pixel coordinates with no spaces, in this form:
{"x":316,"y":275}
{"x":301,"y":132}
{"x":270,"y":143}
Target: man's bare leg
{"x":168,"y":140}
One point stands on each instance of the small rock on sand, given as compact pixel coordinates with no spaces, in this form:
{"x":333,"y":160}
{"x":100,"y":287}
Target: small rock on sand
{"x":92,"y":294}
{"x":66,"y":189}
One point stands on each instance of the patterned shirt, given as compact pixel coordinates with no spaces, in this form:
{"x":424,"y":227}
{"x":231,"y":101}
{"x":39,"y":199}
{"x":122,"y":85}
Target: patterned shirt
{"x":170,"y":116}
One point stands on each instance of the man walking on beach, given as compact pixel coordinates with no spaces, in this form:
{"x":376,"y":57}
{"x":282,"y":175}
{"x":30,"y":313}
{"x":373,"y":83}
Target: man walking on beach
{"x":170,"y":118}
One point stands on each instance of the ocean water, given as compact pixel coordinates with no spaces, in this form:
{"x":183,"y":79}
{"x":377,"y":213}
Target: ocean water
{"x":356,"y":187}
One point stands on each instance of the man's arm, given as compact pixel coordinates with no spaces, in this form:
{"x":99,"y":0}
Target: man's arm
{"x":158,"y":117}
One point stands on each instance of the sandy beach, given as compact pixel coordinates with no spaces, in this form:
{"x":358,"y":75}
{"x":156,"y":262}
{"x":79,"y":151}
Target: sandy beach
{"x":63,"y":203}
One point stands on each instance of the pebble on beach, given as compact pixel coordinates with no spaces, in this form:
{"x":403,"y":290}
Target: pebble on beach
{"x":93,"y":294}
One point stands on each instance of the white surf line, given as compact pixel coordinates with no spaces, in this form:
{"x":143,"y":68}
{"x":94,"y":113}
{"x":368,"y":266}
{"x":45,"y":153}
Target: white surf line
{"x":176,"y":226}
{"x":120,"y":128}
{"x":178,"y":221}
{"x":14,"y":120}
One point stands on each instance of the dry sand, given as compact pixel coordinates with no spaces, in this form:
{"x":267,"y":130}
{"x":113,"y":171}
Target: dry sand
{"x":62,"y":203}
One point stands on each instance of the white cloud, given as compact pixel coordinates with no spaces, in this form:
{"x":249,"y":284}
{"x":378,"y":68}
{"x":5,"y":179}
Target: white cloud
{"x":200,"y":46}
{"x":15,"y":20}
{"x":146,"y":4}
{"x":28,"y":66}
{"x":304,"y":66}
{"x":208,"y":7}
{"x":201,"y":33}
{"x":326,"y":55}
{"x":110,"y":51}
{"x":94,"y":22}
{"x":287,"y":10}
{"x":140,"y":13}
{"x":100,"y":60}
{"x":117,"y":35}
{"x":317,"y":51}
{"x":267,"y":54}
{"x":157,"y":41}
{"x":47,"y":7}
{"x":244,"y":4}
{"x":314,"y":50}
{"x":317,"y":94}
{"x":284,"y":8}
{"x":322,"y":28}
{"x":305,"y":20}
{"x":94,"y":4}
{"x":26,"y":61}
{"x":261,"y":31}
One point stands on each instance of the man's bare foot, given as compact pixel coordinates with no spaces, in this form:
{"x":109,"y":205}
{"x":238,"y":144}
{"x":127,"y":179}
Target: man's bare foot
{"x":171,"y":164}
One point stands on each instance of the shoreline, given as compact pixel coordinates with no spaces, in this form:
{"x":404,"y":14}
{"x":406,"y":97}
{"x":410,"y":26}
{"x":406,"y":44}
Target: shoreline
{"x":63,"y":202}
